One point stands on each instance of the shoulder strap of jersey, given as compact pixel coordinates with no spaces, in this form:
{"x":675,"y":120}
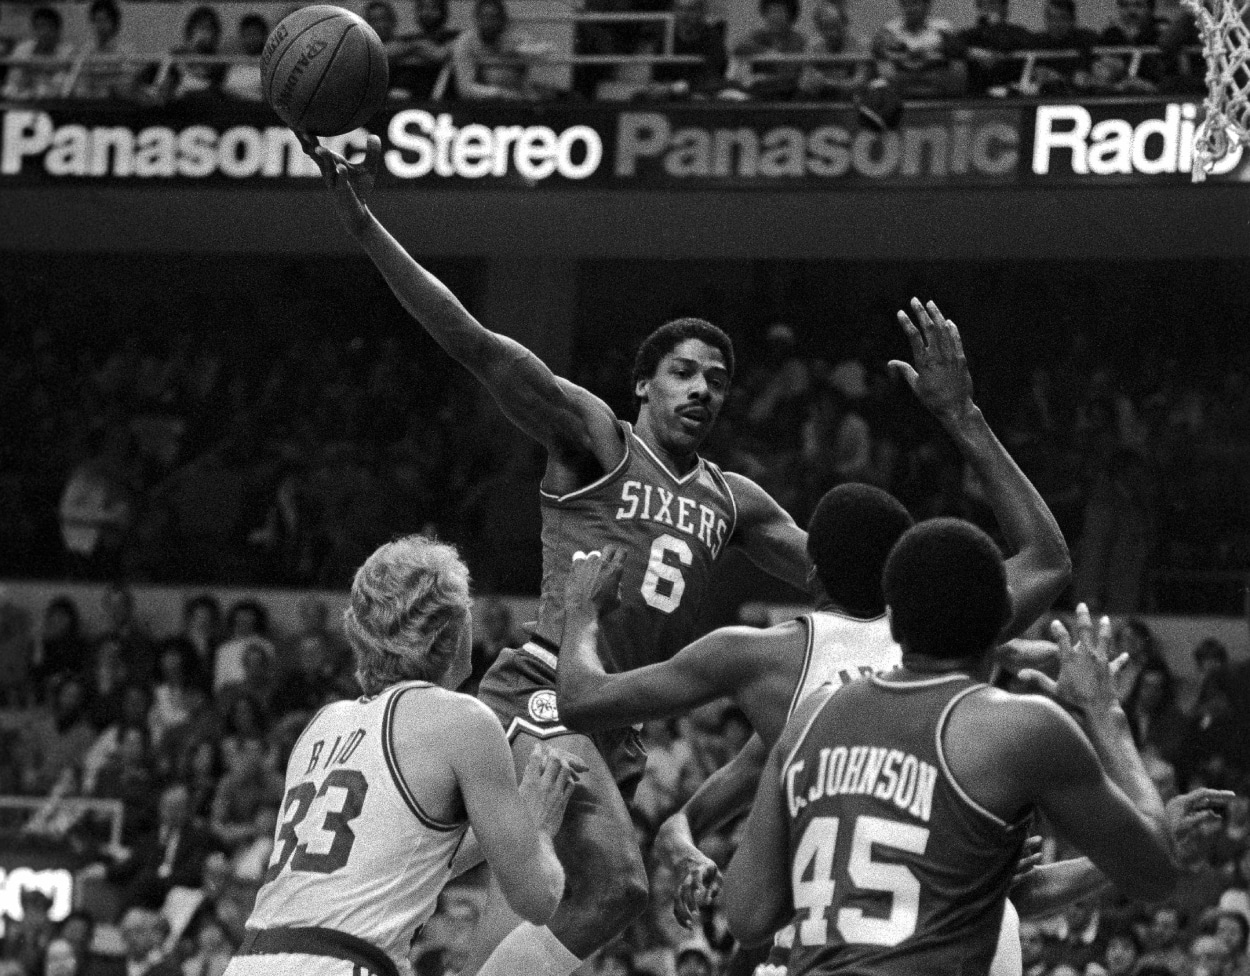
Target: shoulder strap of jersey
{"x":626,"y":440}
{"x":719,"y":477}
{"x":810,"y":625}
{"x":392,"y":762}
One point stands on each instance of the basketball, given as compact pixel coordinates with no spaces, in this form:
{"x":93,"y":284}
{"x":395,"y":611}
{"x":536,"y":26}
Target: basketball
{"x":324,"y":70}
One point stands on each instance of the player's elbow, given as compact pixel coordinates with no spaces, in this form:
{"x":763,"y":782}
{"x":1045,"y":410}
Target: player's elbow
{"x":536,"y":897}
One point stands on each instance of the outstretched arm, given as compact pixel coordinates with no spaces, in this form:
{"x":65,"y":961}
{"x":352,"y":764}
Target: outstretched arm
{"x":567,"y":419}
{"x":1040,"y":565}
{"x":767,"y":533}
{"x":591,"y":699}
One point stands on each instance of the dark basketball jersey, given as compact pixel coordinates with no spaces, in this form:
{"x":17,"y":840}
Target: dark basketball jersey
{"x":673,"y":530}
{"x":894,"y":869}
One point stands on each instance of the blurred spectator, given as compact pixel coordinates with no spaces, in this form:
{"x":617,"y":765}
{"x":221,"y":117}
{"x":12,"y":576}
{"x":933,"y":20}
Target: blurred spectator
{"x":1134,"y":638}
{"x":242,"y":81}
{"x":259,"y":682}
{"x":61,"y":647}
{"x":107,"y":71}
{"x":247,"y":786}
{"x":58,"y":738}
{"x":314,"y":620}
{"x":245,"y":721}
{"x":1210,"y":657}
{"x":175,"y":693}
{"x":60,"y":959}
{"x":1156,"y":721}
{"x":129,"y":776}
{"x":107,"y":682}
{"x":1214,"y":730}
{"x":696,"y":34}
{"x":418,"y":59}
{"x":31,"y":82}
{"x":1070,"y":73}
{"x":143,"y":932}
{"x":988,"y":45}
{"x":1119,"y":957}
{"x":131,"y":705}
{"x":122,"y":624}
{"x":919,"y":53}
{"x":492,"y":59}
{"x":196,"y":82}
{"x":201,"y":628}
{"x":170,"y":855}
{"x":1078,"y":936}
{"x":837,"y":82}
{"x":776,"y":35}
{"x":1163,"y":941}
{"x":1210,"y":956}
{"x":320,"y":677}
{"x":213,"y":948}
{"x":1134,"y":25}
{"x":246,"y":623}
{"x":1233,"y":929}
{"x":200,"y":768}
{"x":251,"y":861}
{"x":1118,"y":535}
{"x":26,"y":940}
{"x":97,"y":503}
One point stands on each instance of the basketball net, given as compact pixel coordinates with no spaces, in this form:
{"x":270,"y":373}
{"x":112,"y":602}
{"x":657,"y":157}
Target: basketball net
{"x":1225,"y":29}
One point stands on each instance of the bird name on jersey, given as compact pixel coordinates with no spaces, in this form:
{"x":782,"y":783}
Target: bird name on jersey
{"x":340,"y":752}
{"x":889,"y":775}
{"x":654,"y":504}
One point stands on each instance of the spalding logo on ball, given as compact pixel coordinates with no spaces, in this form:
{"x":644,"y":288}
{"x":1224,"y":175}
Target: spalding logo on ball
{"x":324,"y":70}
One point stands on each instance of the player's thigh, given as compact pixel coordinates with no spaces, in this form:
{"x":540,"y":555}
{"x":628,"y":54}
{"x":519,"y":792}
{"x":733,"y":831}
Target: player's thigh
{"x":597,"y":832}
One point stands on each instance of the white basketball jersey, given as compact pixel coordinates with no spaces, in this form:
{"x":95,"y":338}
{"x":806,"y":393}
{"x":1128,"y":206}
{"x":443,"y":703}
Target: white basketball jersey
{"x":841,"y":649}
{"x":354,"y":851}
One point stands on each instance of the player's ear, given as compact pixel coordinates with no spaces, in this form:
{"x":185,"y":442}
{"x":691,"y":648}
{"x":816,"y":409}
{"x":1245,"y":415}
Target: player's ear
{"x":640,"y":389}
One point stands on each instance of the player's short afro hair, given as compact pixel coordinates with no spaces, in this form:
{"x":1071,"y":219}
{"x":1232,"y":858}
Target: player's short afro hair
{"x":849,"y":538}
{"x":672,"y":334}
{"x":946,"y":587}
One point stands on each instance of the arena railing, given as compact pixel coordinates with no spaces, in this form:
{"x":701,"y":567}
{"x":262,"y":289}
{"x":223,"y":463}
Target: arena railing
{"x":43,"y":811}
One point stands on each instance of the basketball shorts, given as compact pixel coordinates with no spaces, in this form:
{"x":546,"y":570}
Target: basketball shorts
{"x":520,"y":688}
{"x":308,"y":951}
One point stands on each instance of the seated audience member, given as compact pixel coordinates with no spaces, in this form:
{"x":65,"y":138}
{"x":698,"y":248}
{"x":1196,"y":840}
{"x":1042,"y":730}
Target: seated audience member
{"x":419,"y":58}
{"x":105,"y":71}
{"x":1163,"y":941}
{"x":259,"y":682}
{"x":128,"y":776}
{"x":26,"y":940}
{"x":242,"y":81}
{"x":56,"y":738}
{"x":918,"y":52}
{"x":1157,"y":723}
{"x":202,"y":627}
{"x":1233,"y":928}
{"x":213,"y":948}
{"x":1134,"y":638}
{"x":201,"y":767}
{"x":143,"y":933}
{"x":1134,"y":25}
{"x":1119,"y":955}
{"x":61,"y":648}
{"x":195,"y":82}
{"x":249,"y":785}
{"x":124,"y":625}
{"x":1209,"y":955}
{"x":319,"y":678}
{"x":493,"y":59}
{"x":777,"y":35}
{"x":176,"y":689}
{"x":987,"y":45}
{"x":247,"y":623}
{"x":132,"y":708}
{"x":694,"y":33}
{"x":252,"y":859}
{"x":838,"y":82}
{"x":29,"y":82}
{"x":171,"y":855}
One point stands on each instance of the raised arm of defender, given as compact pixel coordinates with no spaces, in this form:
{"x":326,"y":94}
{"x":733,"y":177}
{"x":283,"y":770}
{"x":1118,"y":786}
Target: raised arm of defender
{"x":570,"y":421}
{"x":1040,"y":565}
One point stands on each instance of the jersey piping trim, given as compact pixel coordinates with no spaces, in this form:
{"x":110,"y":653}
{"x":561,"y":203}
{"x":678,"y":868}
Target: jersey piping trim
{"x":719,"y":475}
{"x":802,"y":738}
{"x":684,"y":479}
{"x":881,"y":682}
{"x":598,"y":483}
{"x":946,"y":770}
{"x":388,"y":752}
{"x":538,"y":731}
{"x":810,"y":624}
{"x":853,"y":619}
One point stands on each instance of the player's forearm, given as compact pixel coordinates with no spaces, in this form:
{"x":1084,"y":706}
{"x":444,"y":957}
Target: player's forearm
{"x":1040,"y":554}
{"x":1109,"y":732}
{"x":580,"y":676}
{"x":432,"y":303}
{"x":726,"y":794}
{"x":1050,"y":888}
{"x":674,"y":841}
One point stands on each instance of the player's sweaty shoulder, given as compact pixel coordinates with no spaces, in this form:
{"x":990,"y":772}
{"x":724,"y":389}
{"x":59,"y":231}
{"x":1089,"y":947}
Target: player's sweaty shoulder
{"x":447,"y":724}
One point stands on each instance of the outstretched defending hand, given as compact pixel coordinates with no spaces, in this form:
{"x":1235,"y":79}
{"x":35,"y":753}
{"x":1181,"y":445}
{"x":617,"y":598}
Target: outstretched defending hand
{"x":1085,"y":681}
{"x":940,"y":377}
{"x":550,"y":776}
{"x":350,"y":183}
{"x":594,"y":579}
{"x":1039,"y":655}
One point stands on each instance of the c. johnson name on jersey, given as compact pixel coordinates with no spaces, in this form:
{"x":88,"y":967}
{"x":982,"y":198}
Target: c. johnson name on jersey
{"x":652,"y":503}
{"x":889,"y":775}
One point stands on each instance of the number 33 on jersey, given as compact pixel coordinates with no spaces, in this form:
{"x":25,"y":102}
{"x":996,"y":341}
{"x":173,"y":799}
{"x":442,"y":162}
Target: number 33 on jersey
{"x":673,"y":530}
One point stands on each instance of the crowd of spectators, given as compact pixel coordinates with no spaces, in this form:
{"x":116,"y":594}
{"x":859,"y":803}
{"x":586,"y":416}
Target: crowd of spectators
{"x":914,"y":55}
{"x":190,"y":731}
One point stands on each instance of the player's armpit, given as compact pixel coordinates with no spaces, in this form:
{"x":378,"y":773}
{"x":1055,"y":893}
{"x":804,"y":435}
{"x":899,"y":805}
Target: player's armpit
{"x":724,"y":795}
{"x":767,"y":534}
{"x":757,"y":894}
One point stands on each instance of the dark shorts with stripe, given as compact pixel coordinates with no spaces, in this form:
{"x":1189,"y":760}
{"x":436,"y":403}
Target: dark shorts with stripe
{"x":520,"y":688}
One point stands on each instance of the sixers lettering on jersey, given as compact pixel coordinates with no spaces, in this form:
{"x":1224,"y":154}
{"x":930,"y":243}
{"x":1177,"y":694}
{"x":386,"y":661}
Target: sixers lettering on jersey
{"x":673,"y":529}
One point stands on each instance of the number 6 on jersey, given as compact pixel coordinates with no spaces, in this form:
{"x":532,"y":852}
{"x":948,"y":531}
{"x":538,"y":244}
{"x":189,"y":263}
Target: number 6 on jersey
{"x":663,"y":584}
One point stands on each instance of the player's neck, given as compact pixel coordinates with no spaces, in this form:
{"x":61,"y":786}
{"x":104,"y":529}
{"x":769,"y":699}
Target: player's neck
{"x":677,"y":461}
{"x":917,"y":666}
